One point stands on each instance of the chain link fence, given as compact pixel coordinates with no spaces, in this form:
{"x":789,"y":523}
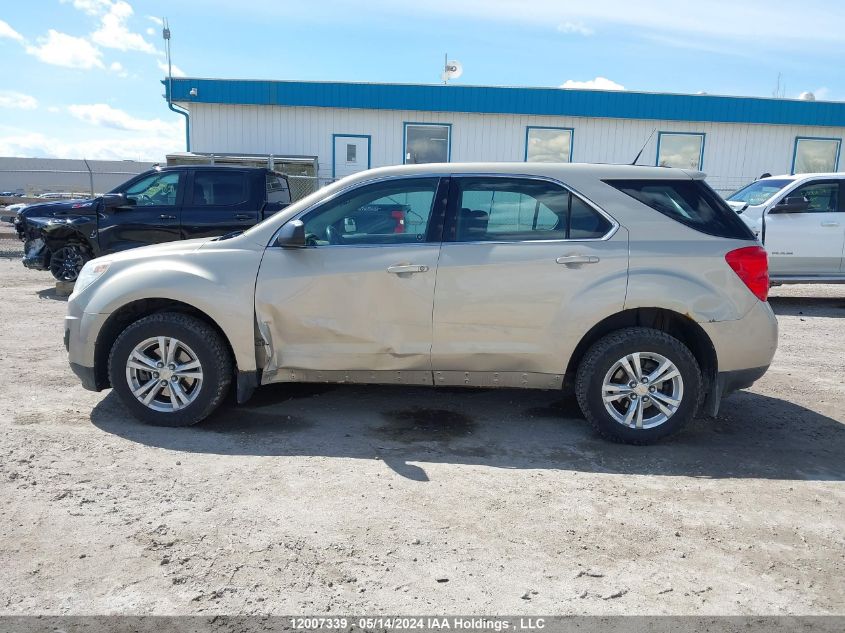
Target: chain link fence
{"x":301,"y":186}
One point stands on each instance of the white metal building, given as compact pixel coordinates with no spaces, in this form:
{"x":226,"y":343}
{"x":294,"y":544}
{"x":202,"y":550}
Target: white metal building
{"x":353,"y":126}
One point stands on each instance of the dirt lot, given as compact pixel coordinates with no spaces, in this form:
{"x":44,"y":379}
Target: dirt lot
{"x":398,"y":500}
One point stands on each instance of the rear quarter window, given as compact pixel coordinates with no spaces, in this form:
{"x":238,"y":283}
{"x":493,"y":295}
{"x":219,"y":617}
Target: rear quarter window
{"x":691,"y":202}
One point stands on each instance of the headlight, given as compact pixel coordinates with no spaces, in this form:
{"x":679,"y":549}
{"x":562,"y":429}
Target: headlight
{"x":90,"y":273}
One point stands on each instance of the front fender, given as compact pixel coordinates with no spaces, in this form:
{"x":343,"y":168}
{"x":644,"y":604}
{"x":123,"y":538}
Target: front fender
{"x":220,"y":283}
{"x":58,"y":234}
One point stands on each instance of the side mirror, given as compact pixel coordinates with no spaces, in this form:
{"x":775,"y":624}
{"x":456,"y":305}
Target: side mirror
{"x":116,"y":200}
{"x":792,"y":204}
{"x":292,"y":235}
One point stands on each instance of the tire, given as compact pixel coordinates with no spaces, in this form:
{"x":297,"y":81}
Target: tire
{"x":196,"y":391}
{"x":67,"y":262}
{"x":600,"y":374}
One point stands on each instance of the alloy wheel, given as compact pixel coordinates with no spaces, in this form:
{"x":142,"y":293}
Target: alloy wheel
{"x":164,"y":374}
{"x":642,"y":390}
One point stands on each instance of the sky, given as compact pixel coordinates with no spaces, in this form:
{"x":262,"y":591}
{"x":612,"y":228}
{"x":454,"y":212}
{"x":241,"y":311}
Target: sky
{"x":82,"y":78}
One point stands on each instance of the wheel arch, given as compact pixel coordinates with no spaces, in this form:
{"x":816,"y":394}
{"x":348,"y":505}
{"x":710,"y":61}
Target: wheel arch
{"x":127,"y":314}
{"x":58,"y":235}
{"x":673,"y":323}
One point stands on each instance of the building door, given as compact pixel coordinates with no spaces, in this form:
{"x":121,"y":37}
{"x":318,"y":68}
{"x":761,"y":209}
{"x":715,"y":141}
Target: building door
{"x":351,"y":154}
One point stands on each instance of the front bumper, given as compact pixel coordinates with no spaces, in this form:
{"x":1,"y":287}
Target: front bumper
{"x":86,"y":375}
{"x":81,"y":332}
{"x":36,"y":255}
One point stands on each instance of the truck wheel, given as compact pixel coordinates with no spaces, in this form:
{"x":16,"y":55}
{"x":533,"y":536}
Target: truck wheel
{"x":638,"y":385}
{"x":170,"y":369}
{"x":66,"y":262}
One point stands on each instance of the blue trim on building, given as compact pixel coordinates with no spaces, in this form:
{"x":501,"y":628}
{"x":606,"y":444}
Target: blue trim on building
{"x":501,"y":100}
{"x":571,"y":131}
{"x":405,"y":125}
{"x":661,"y":134}
{"x":816,"y":138}
{"x":369,"y":149}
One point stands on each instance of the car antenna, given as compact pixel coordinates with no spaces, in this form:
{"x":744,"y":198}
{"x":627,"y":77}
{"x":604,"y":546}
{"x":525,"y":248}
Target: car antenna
{"x":642,"y":149}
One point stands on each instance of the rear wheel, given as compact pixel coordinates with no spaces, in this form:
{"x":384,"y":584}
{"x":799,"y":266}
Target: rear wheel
{"x":638,"y":385}
{"x":170,"y":369}
{"x":66,"y":262}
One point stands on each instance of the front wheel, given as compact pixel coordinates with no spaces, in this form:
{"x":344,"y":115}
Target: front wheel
{"x":67,"y":262}
{"x":170,"y":369}
{"x":638,"y":385}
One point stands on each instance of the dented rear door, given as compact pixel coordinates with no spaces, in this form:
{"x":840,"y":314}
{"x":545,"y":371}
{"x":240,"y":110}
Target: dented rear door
{"x":355,"y":306}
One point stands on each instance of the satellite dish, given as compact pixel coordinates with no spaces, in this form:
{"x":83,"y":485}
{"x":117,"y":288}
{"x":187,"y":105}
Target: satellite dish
{"x":807,"y":96}
{"x":452,"y":70}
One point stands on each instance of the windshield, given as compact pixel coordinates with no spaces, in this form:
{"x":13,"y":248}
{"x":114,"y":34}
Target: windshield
{"x":759,"y":192}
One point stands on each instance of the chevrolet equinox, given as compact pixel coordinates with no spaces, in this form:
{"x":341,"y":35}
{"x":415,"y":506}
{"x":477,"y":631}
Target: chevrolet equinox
{"x":637,"y":287}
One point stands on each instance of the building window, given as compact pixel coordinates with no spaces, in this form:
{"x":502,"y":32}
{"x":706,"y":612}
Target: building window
{"x":548,"y":144}
{"x":814,"y":155}
{"x":427,"y":143}
{"x":680,"y":150}
{"x":351,"y":153}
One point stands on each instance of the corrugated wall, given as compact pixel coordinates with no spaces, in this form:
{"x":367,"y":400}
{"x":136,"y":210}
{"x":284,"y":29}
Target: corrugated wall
{"x":734,"y":154}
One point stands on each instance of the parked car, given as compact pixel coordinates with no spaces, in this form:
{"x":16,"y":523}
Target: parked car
{"x":800,"y":219}
{"x":636,"y":286}
{"x":10,"y":212}
{"x":161,"y":205}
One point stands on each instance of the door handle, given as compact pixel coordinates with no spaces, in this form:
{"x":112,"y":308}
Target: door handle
{"x":830,"y":223}
{"x":400,"y":269}
{"x":164,"y":216}
{"x":243,"y":216}
{"x":569,"y":260}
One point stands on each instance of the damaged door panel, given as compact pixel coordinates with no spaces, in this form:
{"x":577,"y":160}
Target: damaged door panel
{"x":354,"y":303}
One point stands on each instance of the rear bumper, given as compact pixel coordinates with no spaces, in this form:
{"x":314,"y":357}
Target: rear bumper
{"x":747,"y":343}
{"x":730,"y":381}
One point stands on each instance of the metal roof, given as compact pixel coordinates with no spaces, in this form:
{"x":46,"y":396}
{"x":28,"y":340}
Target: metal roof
{"x":504,"y":100}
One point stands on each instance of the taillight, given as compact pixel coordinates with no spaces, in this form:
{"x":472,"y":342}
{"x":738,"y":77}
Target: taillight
{"x":751,"y":264}
{"x":399,"y":216}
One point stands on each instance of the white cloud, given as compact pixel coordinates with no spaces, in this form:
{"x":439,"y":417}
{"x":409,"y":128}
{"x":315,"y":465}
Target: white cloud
{"x":117,"y":67}
{"x":599,"y":83}
{"x":17,"y":100}
{"x":158,"y":21}
{"x":151,"y":31}
{"x":174,"y":69}
{"x":54,"y":109}
{"x":716,"y":20}
{"x":61,"y":49}
{"x":91,"y":7}
{"x":8,"y":32}
{"x":114,"y":33}
{"x":103,"y":115}
{"x":576,"y":28}
{"x":138,"y":146}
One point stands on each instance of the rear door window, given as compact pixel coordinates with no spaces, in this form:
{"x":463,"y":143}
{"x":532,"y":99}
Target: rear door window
{"x":277,"y":189}
{"x":219,"y":188}
{"x":691,"y":202}
{"x":520,"y":209}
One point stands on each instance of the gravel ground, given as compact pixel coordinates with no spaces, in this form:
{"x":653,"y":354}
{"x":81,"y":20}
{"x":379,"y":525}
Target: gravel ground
{"x":397,"y":500}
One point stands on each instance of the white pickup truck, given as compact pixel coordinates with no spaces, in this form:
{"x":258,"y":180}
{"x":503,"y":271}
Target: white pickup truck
{"x":800,"y":219}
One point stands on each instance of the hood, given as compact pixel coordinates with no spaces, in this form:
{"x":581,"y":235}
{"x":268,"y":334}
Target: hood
{"x":169,"y":249}
{"x":59,"y":208}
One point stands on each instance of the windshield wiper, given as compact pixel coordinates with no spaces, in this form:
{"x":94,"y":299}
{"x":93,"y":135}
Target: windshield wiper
{"x":227,"y":236}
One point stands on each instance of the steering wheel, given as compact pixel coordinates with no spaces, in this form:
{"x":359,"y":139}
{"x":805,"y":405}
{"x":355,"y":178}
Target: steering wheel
{"x":311,"y":240}
{"x":332,"y":235}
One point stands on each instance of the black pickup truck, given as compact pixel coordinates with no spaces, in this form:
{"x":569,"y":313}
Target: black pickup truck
{"x":162,"y":205}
